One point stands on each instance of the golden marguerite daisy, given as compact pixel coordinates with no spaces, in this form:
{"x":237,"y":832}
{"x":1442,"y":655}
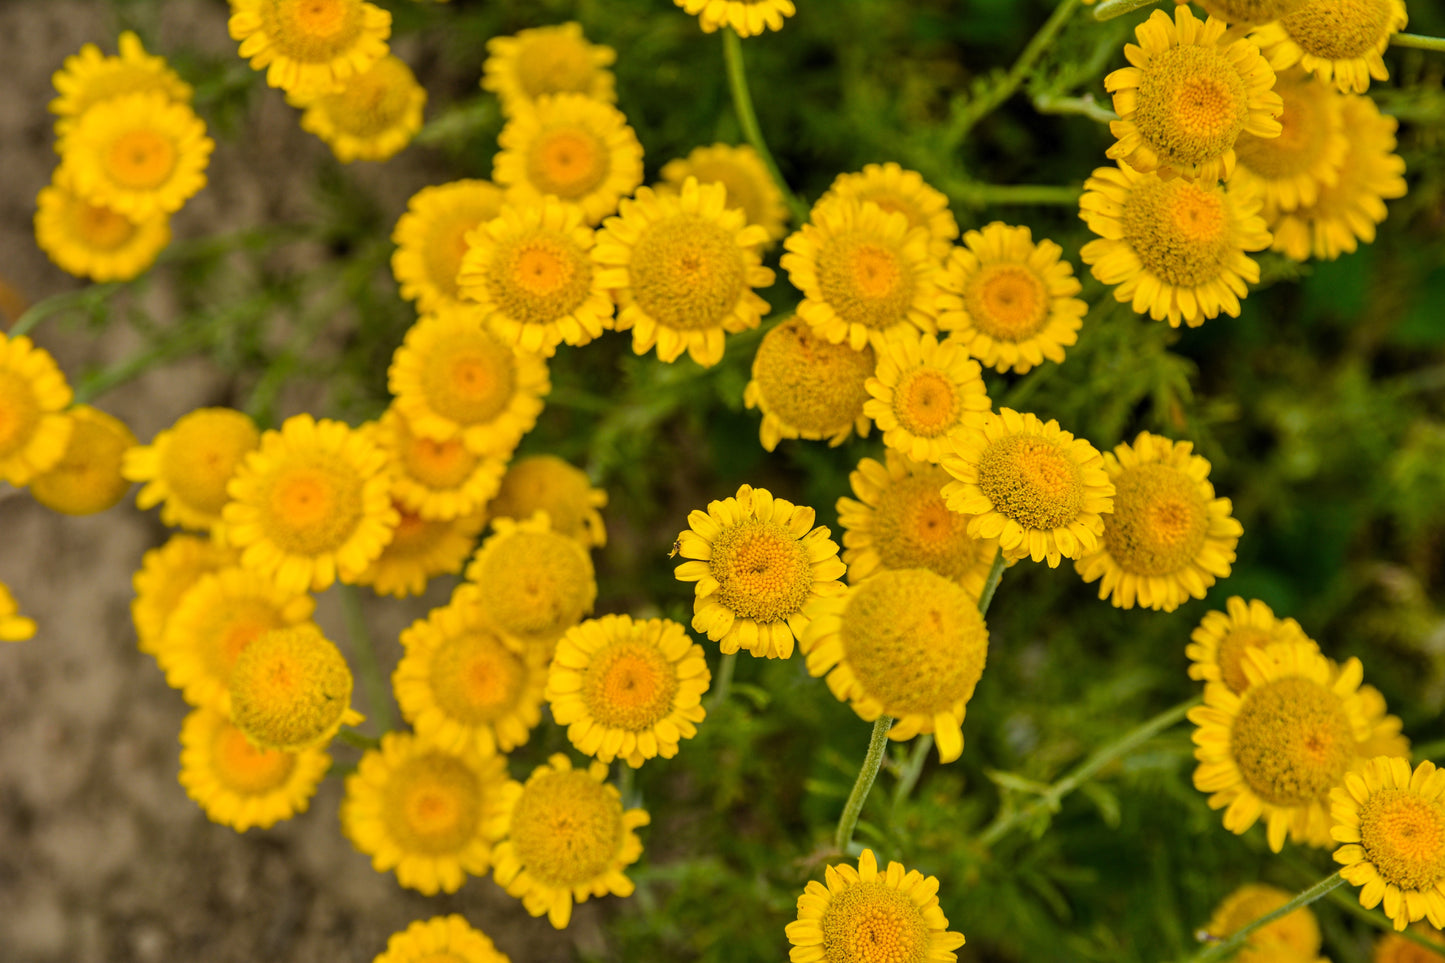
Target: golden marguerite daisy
{"x":426,"y":812}
{"x":865,"y":274}
{"x":900,"y":521}
{"x":465,"y":684}
{"x":1035,"y":487}
{"x":748,"y":17}
{"x":532,"y":275}
{"x":452,"y":378}
{"x":87,"y":479}
{"x":431,"y":238}
{"x":1392,"y":822}
{"x":1247,"y":12}
{"x":421,"y":549}
{"x":1277,"y":749}
{"x":809,"y":387}
{"x":291,"y":689}
{"x":1217,"y":647}
{"x":549,"y":484}
{"x":141,"y":156}
{"x":683,"y":268}
{"x":1170,"y":246}
{"x":895,"y":189}
{"x":186,"y":467}
{"x":1288,"y":171}
{"x":573,"y":147}
{"x":757,"y":561}
{"x":547,"y":60}
{"x":1293,"y":938}
{"x":1386,"y":737}
{"x":565,"y":837}
{"x":1168,"y":537}
{"x":309,"y":46}
{"x":441,"y":939}
{"x":741,"y":172}
{"x":89,"y":78}
{"x":864,"y":916}
{"x":923,"y":394}
{"x":1339,"y":40}
{"x":33,"y":432}
{"x":437,"y":480}
{"x":627,"y":689}
{"x":906,"y":643}
{"x":311,"y":504}
{"x":373,"y":116}
{"x":239,"y":785}
{"x":94,"y":241}
{"x":165,"y":576}
{"x":14,"y":627}
{"x":1393,"y":948}
{"x":536,"y":582}
{"x":1010,"y":301}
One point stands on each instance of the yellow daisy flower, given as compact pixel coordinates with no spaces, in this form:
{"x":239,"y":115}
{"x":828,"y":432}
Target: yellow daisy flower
{"x":864,"y":273}
{"x":89,"y":78}
{"x":1216,"y":652}
{"x":87,"y":479}
{"x":1288,"y":171}
{"x":1343,"y":42}
{"x":894,"y":189}
{"x":757,"y":561}
{"x":33,"y":432}
{"x":1239,"y":13}
{"x":437,"y":480}
{"x":291,"y":689}
{"x":570,"y":146}
{"x":748,"y":17}
{"x":742,"y":174}
{"x":1392,"y":948}
{"x":547,"y":483}
{"x":431,"y":238}
{"x":1035,"y":487}
{"x":426,"y":812}
{"x":565,"y":837}
{"x":547,"y":60}
{"x":165,"y":576}
{"x":94,"y":241}
{"x":372,"y":117}
{"x":863,"y":914}
{"x":1293,"y":937}
{"x":532,"y":275}
{"x":239,"y":785}
{"x":536,"y":582}
{"x":309,"y":46}
{"x":1275,"y":750}
{"x":14,"y":627}
{"x":421,"y":549}
{"x":1010,"y":301}
{"x":808,"y":387}
{"x":683,"y":269}
{"x":1171,"y":247}
{"x":185,"y":469}
{"x":442,"y":938}
{"x":923,"y":394}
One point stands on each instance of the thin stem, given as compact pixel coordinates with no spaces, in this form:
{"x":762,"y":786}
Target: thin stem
{"x":367,"y":666}
{"x":1224,"y":948}
{"x":724,"y":681}
{"x":359,"y":739}
{"x":1005,"y":88}
{"x":990,"y":584}
{"x":1110,"y":9}
{"x":876,"y":746}
{"x":59,"y":303}
{"x":1085,"y":106}
{"x":743,"y":104}
{"x":1418,"y":42}
{"x":1351,"y":904}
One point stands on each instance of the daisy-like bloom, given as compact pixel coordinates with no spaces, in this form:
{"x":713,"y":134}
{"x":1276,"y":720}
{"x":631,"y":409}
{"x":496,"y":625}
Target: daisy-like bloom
{"x":437,"y":480}
{"x":1276,"y":750}
{"x":809,"y":387}
{"x":547,"y":483}
{"x":33,"y":393}
{"x":87,"y":478}
{"x":309,"y":46}
{"x":573,"y":147}
{"x":865,"y":274}
{"x":165,"y":576}
{"x":1293,"y":937}
{"x":452,"y":378}
{"x":14,"y":627}
{"x":1217,"y":647}
{"x":757,"y":561}
{"x":547,"y":60}
{"x":143,"y":155}
{"x":1392,"y":948}
{"x":426,"y":812}
{"x":741,"y":172}
{"x":310,"y":505}
{"x":92,"y":240}
{"x":1288,"y":171}
{"x":239,"y":785}
{"x":441,"y":939}
{"x":291,"y":689}
{"x":431,"y":238}
{"x":628,"y":690}
{"x":1171,"y":247}
{"x":1168,"y":537}
{"x":748,"y":17}
{"x":900,"y":521}
{"x":907,"y":643}
{"x":374,"y":115}
{"x":565,"y":837}
{"x":421,"y":549}
{"x":923,"y":394}
{"x":185,"y":468}
{"x":864,"y":915}
{"x":1010,"y":301}
{"x":464,"y":684}
{"x":89,"y":78}
{"x":894,"y":189}
{"x":532,"y":275}
{"x":1392,"y":822}
{"x":536,"y":582}
{"x":1246,"y":12}
{"x":1035,"y":487}
{"x":1187,"y":97}
{"x":1335,"y":40}
{"x":683,"y":268}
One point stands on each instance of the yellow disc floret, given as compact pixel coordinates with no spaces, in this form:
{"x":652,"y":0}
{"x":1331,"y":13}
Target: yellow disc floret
{"x":291,"y":689}
{"x":374,"y":115}
{"x":95,"y":241}
{"x":186,"y":468}
{"x":536,"y":583}
{"x":431,"y":238}
{"x":547,"y":483}
{"x":437,"y":480}
{"x":309,"y":47}
{"x":33,"y":393}
{"x":547,"y":60}
{"x":1339,"y":40}
{"x":1288,"y":171}
{"x":87,"y":479}
{"x":89,"y":78}
{"x":741,"y":172}
{"x":809,"y":387}
{"x":1294,"y":936}
{"x":924,"y":393}
{"x":1216,"y":652}
{"x":894,"y":189}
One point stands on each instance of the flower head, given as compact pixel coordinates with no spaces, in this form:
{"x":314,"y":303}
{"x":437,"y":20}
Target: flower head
{"x":924,"y":393}
{"x":1393,"y":948}
{"x":437,"y":480}
{"x":166,"y":575}
{"x":309,"y":46}
{"x":95,"y":241}
{"x":89,"y":77}
{"x":547,"y":60}
{"x":421,"y":549}
{"x":431,"y":239}
{"x":894,"y":189}
{"x":547,"y":483}
{"x":1288,"y":171}
{"x":442,"y":938}
{"x":375,"y":113}
{"x":185,"y":468}
{"x":239,"y":785}
{"x":741,"y":172}
{"x":33,"y":393}
{"x":291,"y":689}
{"x":87,"y":479}
{"x":1246,"y":12}
{"x":14,"y":627}
{"x":809,"y":387}
{"x":1295,"y":936}
{"x":1339,"y":40}
{"x":1216,"y":652}
{"x":748,"y":17}
{"x":536,"y":582}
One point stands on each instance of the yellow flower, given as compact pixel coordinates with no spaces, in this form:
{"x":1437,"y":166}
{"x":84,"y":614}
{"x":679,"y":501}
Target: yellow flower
{"x":441,"y":939}
{"x":33,"y":393}
{"x":536,"y":582}
{"x":1240,"y":13}
{"x":1216,"y":652}
{"x":431,"y":238}
{"x":1275,"y":750}
{"x":1392,"y":822}
{"x":1035,"y":487}
{"x":165,"y":575}
{"x":1288,"y":171}
{"x":425,"y":812}
{"x":748,"y":17}
{"x":1392,"y":948}
{"x":1339,"y":40}
{"x":894,"y":189}
{"x":239,"y":785}
{"x":573,"y":147}
{"x":565,"y":837}
{"x":421,"y":549}
{"x":185,"y":469}
{"x":310,"y":505}
{"x":437,"y":480}
{"x":864,"y":273}
{"x":757,"y":561}
{"x":923,"y":394}
{"x":627,"y":690}
{"x":1173,"y":248}
{"x":741,"y":172}
{"x":547,"y":483}
{"x":291,"y":689}
{"x":14,"y":627}
{"x":682,"y":269}
{"x":547,"y":60}
{"x":865,"y":915}
{"x":1293,"y":937}
{"x":532,"y":275}
{"x":1010,"y":301}
{"x":309,"y":46}
{"x":808,"y":387}
{"x":94,"y":241}
{"x":453,"y":378}
{"x":905,"y":643}
{"x":374,"y":115}
{"x":87,"y":479}
{"x":89,"y":78}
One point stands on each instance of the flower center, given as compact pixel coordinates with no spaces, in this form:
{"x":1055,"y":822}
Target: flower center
{"x":1159,"y":523}
{"x":629,"y":685}
{"x":439,"y":465}
{"x":1240,"y":12}
{"x":865,"y":281}
{"x":245,"y":769}
{"x":762,"y":570}
{"x":100,"y":227}
{"x":1338,"y":29}
{"x":1232,"y":648}
{"x":913,"y":528}
{"x":1307,"y":129}
{"x":555,"y":65}
{"x":470,"y":379}
{"x":1031,"y":480}
{"x":433,"y":804}
{"x":569,"y":162}
{"x":1292,"y":741}
{"x":313,"y":31}
{"x":475,"y":678}
{"x":688,"y":272}
{"x":1007,"y":302}
{"x":874,"y":923}
{"x":19,"y":412}
{"x":538,"y":583}
{"x":140,"y":160}
{"x":926,"y":403}
{"x":233,"y":624}
{"x":566,"y":828}
{"x":203,"y":455}
{"x":891,"y":203}
{"x":372,"y":102}
{"x":1403,"y":835}
{"x":539,"y":277}
{"x":1180,"y":231}
{"x":314,"y":505}
{"x":810,"y":383}
{"x":289,"y":686}
{"x":1192,"y":104}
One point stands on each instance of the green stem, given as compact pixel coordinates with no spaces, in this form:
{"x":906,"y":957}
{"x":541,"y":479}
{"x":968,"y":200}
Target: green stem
{"x":724,"y":681}
{"x":1016,"y":75}
{"x":1223,"y":949}
{"x":58,"y":303}
{"x":743,"y":104}
{"x":876,"y":746}
{"x":1350,"y":903}
{"x":1110,"y":9}
{"x":1085,"y":106}
{"x":359,"y":739}
{"x":367,"y":665}
{"x":1418,"y":42}
{"x":990,"y":583}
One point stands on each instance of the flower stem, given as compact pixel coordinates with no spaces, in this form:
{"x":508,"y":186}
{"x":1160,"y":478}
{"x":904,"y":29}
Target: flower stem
{"x":724,"y":681}
{"x":1418,"y":42}
{"x":1004,"y":89}
{"x":359,"y":739}
{"x":1351,"y":905}
{"x":1085,"y":106}
{"x":1224,"y":949}
{"x":367,"y":666}
{"x":876,"y":746}
{"x":743,"y":104}
{"x":88,"y":297}
{"x":1110,"y":9}
{"x":990,"y":584}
